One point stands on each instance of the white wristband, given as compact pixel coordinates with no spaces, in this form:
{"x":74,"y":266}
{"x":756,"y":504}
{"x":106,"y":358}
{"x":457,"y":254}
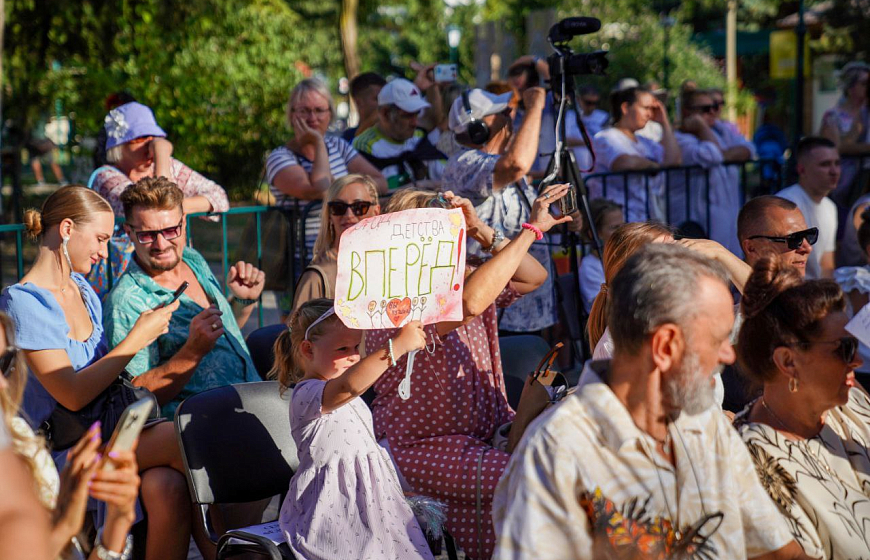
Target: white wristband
{"x":392,"y":356}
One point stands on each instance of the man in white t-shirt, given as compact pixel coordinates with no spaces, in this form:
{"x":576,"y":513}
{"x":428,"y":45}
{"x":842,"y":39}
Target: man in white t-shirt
{"x":396,"y":145}
{"x":818,"y":166}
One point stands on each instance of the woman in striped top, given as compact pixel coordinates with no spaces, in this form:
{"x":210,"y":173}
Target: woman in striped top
{"x":311,"y":160}
{"x":303,"y":169}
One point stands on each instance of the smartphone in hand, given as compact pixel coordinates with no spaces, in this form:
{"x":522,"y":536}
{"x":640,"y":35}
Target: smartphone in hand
{"x":128,"y":429}
{"x":177,"y":293}
{"x":445,"y":73}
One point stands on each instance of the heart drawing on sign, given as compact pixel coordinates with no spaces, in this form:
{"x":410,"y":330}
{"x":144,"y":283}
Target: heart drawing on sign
{"x":398,"y":309}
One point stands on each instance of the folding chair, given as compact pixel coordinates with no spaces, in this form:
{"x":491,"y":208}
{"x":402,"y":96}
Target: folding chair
{"x":237,"y":447}
{"x":260,"y":344}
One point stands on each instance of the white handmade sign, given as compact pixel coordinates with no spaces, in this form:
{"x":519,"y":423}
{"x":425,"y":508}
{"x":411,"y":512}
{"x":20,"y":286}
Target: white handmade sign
{"x":859,"y":325}
{"x":401,"y":267}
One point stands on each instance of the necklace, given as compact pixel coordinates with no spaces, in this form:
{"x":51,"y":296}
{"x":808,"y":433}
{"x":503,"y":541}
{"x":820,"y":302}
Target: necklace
{"x":805,"y":444}
{"x":665,"y":443}
{"x":775,"y":416}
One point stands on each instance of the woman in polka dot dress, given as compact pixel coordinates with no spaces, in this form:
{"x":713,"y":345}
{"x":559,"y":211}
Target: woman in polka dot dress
{"x":440,"y":437}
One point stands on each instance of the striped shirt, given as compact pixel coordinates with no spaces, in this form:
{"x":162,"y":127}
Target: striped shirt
{"x":340,"y":155}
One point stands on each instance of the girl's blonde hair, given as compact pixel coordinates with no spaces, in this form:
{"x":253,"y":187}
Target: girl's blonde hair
{"x":326,"y":235}
{"x":75,"y":202}
{"x":410,"y":198}
{"x":288,"y":354}
{"x":625,"y":241}
{"x":24,"y":445}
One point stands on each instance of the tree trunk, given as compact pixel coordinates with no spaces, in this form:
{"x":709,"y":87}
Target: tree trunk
{"x":348,"y":32}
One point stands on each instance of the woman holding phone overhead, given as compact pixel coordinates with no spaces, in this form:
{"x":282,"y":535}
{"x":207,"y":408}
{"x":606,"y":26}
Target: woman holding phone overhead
{"x":58,"y":326}
{"x":441,"y":438}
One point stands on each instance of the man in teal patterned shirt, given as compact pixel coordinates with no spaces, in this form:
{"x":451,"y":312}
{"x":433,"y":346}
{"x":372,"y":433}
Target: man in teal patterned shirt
{"x":203,"y":347}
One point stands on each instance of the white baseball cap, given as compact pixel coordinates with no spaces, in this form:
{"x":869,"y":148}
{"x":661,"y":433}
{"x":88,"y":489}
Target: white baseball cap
{"x":404,"y":95}
{"x":625,"y":83}
{"x":482,"y":102}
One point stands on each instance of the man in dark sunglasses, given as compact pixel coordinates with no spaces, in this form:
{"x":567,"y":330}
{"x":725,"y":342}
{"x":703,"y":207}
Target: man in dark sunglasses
{"x":204,"y":347}
{"x":702,"y":145}
{"x":772,"y":225}
{"x":818,"y":167}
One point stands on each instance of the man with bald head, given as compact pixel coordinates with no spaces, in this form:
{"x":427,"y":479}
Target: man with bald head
{"x":770,"y":224}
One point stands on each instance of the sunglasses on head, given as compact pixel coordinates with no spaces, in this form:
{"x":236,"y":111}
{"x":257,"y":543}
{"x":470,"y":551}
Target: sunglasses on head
{"x":150,"y":236}
{"x":847,"y":347}
{"x":793,"y":240}
{"x":7,"y":361}
{"x":359,"y":208}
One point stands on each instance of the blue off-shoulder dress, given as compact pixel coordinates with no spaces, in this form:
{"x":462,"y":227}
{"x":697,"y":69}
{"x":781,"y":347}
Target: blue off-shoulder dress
{"x":40,"y":324}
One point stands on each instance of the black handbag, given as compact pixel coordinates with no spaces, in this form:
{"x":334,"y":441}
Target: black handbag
{"x":65,"y":427}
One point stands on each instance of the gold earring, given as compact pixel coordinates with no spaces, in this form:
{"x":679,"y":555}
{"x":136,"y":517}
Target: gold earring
{"x":793,"y":385}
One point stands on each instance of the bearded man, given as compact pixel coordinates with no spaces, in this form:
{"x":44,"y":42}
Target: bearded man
{"x":203,"y":347}
{"x":638,"y":463}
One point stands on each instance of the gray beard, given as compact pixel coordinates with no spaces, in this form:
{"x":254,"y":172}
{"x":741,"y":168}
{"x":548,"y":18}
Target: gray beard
{"x":690,"y":390}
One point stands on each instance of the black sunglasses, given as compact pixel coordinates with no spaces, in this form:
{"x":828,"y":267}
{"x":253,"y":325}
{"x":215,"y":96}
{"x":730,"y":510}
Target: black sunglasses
{"x":150,"y":236}
{"x":794,"y":240}
{"x":847,"y":347}
{"x":359,"y":208}
{"x":7,"y":361}
{"x":705,"y":108}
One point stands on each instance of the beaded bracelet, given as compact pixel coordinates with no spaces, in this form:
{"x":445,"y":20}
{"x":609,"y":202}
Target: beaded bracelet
{"x":534,"y":229}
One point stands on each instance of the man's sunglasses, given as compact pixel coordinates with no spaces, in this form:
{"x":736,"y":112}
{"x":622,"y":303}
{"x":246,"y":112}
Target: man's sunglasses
{"x":592,"y":102}
{"x":7,"y":361}
{"x":359,"y":208}
{"x":847,"y":347}
{"x":794,"y":240}
{"x":705,"y":108}
{"x":150,"y":236}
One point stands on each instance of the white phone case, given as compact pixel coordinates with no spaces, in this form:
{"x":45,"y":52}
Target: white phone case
{"x":128,"y":429}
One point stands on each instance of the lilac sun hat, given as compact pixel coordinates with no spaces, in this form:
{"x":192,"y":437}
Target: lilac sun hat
{"x":128,"y":122}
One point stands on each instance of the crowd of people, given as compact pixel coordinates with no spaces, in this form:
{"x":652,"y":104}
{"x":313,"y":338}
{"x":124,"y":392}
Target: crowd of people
{"x":722,"y":414}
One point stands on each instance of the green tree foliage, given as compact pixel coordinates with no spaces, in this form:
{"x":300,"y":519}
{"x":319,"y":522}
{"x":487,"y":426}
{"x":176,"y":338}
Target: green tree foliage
{"x":216,"y":72}
{"x":632,"y":32}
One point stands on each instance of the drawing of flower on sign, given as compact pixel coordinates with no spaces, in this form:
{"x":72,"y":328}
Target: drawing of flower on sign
{"x":401,"y":267}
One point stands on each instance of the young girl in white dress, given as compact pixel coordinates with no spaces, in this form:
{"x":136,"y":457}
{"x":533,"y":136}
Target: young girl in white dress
{"x":345,"y":500}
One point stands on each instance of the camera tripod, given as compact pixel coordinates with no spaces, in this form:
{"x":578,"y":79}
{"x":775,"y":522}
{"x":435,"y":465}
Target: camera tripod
{"x":562,"y":168}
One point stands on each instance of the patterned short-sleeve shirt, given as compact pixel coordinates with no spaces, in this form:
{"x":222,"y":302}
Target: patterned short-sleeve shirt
{"x":228,"y":362}
{"x":470,"y":174}
{"x":112,"y":182}
{"x":586,"y":482}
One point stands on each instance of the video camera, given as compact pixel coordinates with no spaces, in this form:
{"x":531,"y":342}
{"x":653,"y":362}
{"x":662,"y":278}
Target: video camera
{"x":564,"y":61}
